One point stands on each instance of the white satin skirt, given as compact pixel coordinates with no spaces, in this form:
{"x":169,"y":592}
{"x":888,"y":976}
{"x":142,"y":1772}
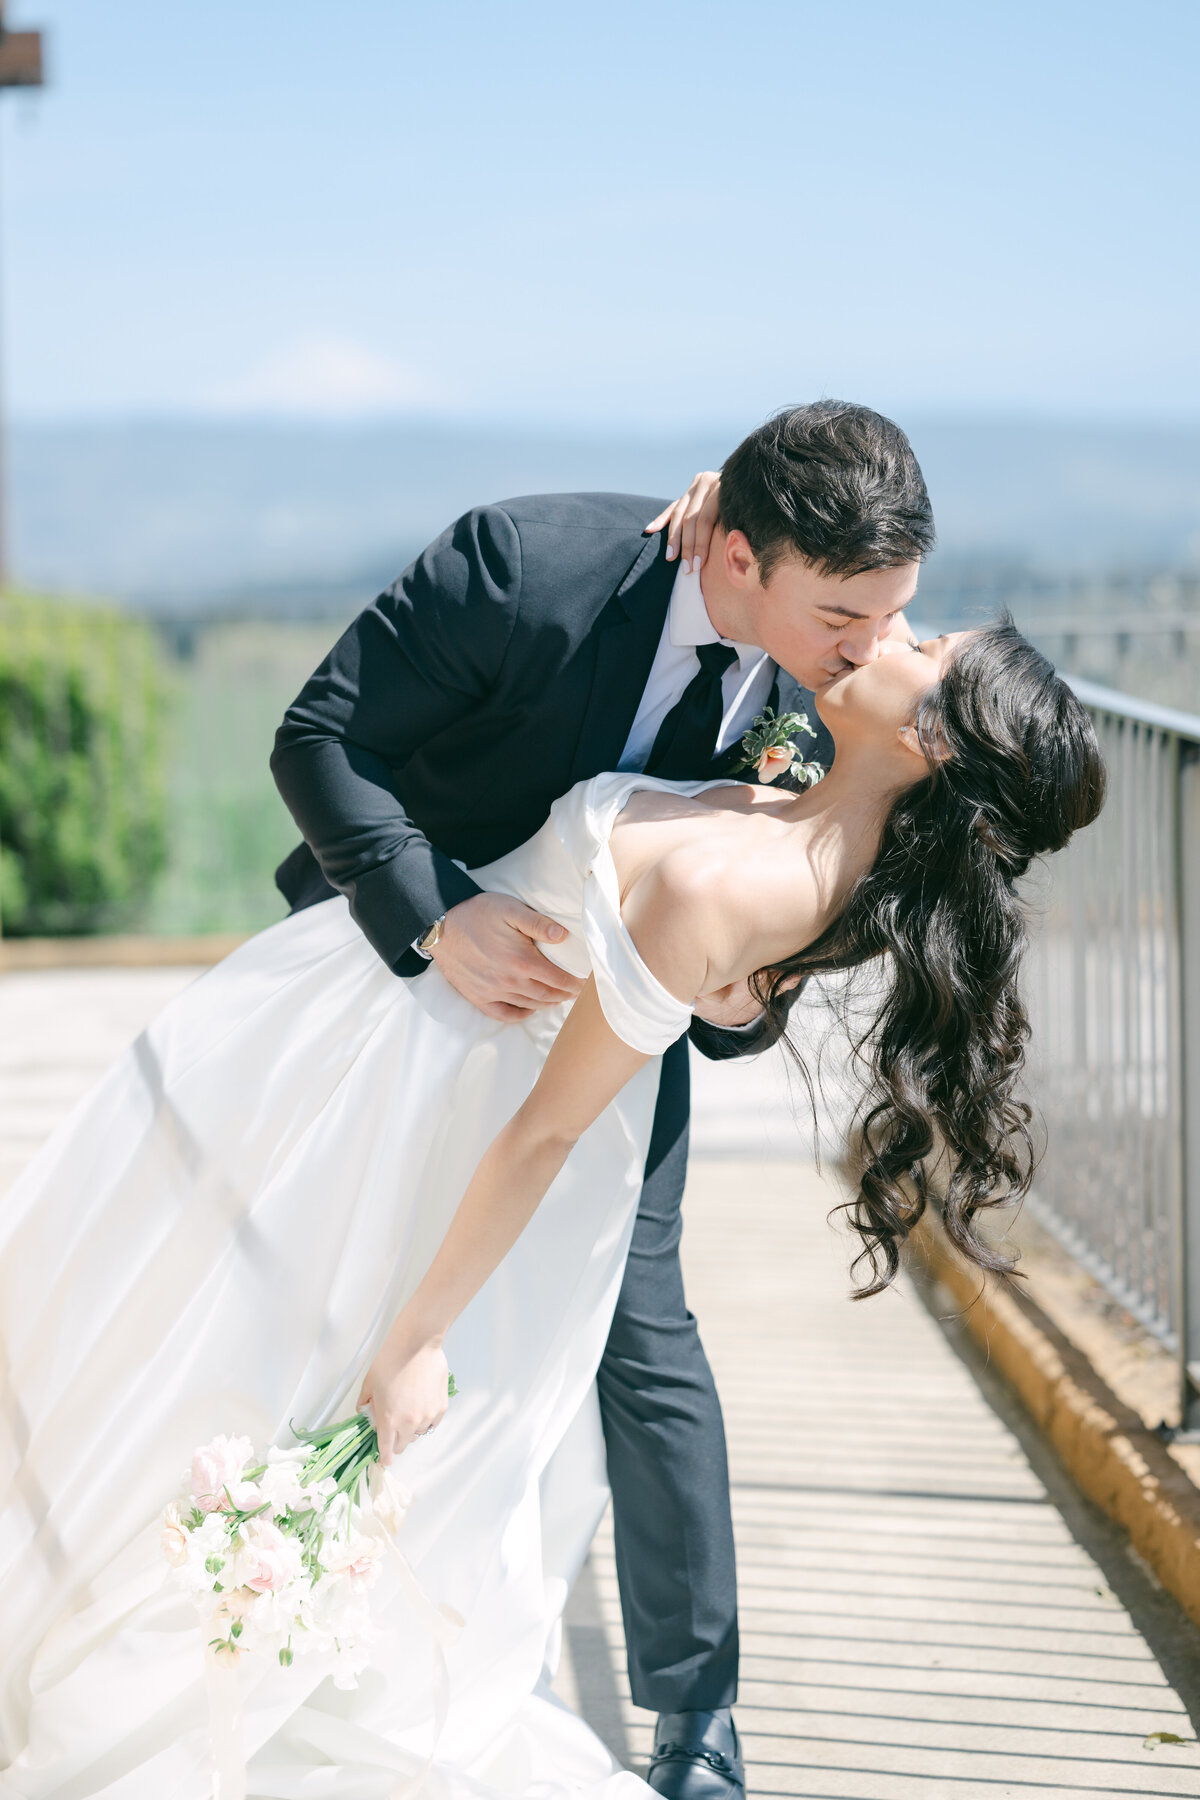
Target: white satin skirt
{"x":216,"y":1241}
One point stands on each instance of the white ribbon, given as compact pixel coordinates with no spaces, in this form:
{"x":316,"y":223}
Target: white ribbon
{"x":225,"y":1728}
{"x":443,"y":1623}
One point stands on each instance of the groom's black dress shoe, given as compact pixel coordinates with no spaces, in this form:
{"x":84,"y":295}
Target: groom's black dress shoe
{"x":697,"y":1757}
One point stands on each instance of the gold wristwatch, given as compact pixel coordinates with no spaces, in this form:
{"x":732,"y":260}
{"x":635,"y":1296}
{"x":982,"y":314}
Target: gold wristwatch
{"x":433,"y":936}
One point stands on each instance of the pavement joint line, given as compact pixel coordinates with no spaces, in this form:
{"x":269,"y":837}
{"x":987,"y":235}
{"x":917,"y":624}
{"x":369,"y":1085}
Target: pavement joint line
{"x":949,"y":1643}
{"x":1005,"y":1781}
{"x":922,"y":1494}
{"x":943,"y":1694}
{"x":835,"y":1712}
{"x":879,"y":1743}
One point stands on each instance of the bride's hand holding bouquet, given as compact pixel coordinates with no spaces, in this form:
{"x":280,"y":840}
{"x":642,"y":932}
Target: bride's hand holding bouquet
{"x":406,"y":1390}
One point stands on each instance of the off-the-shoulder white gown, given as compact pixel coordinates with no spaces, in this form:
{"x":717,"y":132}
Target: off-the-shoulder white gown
{"x":216,"y":1241}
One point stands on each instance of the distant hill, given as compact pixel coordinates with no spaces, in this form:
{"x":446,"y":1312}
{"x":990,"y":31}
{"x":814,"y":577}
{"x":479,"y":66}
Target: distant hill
{"x":313,"y":518}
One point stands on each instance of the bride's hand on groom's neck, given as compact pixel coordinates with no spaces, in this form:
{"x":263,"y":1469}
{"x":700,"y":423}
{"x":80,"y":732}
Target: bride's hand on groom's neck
{"x":489,"y":952}
{"x":690,"y":521}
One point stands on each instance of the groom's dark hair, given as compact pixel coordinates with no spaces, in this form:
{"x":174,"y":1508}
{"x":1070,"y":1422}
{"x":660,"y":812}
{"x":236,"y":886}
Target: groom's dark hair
{"x":832,"y":482}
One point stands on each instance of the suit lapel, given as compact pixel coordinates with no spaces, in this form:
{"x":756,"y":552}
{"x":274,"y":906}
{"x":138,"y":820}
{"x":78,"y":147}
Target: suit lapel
{"x":788,"y":696}
{"x":794,"y":698}
{"x":624,"y":642}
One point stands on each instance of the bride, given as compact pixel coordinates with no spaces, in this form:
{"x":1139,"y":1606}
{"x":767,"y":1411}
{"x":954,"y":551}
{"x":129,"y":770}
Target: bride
{"x":310,"y":1187}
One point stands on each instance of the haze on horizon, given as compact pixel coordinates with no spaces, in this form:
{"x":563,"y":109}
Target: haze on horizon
{"x":621,"y":218}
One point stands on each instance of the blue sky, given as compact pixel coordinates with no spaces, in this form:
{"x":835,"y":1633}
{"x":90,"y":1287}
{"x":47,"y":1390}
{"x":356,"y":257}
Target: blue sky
{"x":605,"y":214}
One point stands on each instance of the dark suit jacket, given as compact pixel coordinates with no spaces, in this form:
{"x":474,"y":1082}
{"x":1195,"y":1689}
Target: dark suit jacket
{"x":505,"y":664}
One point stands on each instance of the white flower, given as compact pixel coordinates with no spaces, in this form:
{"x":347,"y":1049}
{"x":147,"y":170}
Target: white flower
{"x":280,"y":1482}
{"x":355,"y":1561}
{"x":218,"y":1466}
{"x":208,"y":1554}
{"x":349,"y":1666}
{"x":336,"y":1520}
{"x":337,"y":1614}
{"x":269,"y":1621}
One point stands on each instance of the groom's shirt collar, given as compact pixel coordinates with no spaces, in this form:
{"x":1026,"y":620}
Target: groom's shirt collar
{"x":747,"y":682}
{"x":745,"y":686}
{"x":689,"y":624}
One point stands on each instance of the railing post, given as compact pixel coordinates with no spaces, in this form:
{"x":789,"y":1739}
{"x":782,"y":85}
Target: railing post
{"x":1187,"y":915}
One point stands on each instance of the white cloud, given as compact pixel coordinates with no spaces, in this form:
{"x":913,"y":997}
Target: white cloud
{"x":323,"y":376}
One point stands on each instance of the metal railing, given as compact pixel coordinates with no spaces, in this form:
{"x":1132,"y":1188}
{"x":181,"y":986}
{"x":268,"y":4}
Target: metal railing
{"x":1114,"y":993}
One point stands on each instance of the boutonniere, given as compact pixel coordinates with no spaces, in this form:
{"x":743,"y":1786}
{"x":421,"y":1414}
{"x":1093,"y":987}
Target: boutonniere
{"x":769,"y":750}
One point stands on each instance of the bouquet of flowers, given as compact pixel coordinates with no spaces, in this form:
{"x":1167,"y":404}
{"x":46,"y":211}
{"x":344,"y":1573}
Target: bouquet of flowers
{"x":768,"y":749}
{"x":280,"y":1552}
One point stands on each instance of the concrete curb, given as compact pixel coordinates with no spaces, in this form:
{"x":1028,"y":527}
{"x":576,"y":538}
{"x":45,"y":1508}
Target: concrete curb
{"x":116,"y":952}
{"x":1106,"y":1448}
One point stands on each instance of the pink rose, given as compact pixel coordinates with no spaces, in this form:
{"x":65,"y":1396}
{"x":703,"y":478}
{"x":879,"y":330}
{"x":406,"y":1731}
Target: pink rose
{"x":774,"y":762}
{"x":218,"y":1466}
{"x":174,"y":1538}
{"x":269,"y":1559}
{"x":356,"y":1561}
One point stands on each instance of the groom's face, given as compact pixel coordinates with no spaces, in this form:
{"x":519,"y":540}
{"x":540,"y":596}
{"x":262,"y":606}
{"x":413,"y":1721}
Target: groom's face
{"x":817,"y":626}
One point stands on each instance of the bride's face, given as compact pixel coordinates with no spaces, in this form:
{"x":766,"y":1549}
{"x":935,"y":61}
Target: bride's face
{"x":877,"y":701}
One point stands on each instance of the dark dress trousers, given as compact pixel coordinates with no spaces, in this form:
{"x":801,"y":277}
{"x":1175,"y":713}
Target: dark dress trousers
{"x":506,"y":664}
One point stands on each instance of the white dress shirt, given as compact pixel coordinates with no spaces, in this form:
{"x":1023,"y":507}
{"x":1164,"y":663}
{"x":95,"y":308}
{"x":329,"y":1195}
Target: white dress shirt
{"x":745,"y":685}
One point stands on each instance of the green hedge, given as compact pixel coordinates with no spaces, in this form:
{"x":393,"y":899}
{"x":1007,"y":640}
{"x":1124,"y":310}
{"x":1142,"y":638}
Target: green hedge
{"x":81,"y":767}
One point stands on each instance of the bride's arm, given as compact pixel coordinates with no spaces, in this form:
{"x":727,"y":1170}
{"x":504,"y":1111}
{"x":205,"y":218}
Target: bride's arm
{"x":585,"y":1070}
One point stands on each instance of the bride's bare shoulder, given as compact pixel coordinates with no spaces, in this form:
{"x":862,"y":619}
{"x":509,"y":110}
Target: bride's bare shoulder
{"x":702,"y":911}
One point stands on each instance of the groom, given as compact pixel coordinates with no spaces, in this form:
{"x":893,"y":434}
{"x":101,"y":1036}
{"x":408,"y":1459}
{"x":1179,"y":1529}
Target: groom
{"x":535,"y":643}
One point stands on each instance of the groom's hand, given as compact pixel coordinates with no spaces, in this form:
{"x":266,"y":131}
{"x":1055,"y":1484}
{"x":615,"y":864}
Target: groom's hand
{"x":489,"y":952}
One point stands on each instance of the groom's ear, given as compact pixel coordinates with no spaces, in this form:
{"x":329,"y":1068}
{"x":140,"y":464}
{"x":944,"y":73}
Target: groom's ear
{"x":740,"y":561}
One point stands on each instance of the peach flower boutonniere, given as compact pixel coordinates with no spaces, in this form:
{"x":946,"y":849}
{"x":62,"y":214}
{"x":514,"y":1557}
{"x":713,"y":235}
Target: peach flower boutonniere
{"x":774,"y":762}
{"x":768,"y":749}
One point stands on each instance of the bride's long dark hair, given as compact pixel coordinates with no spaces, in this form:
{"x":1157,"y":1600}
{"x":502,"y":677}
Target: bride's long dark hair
{"x":1014,"y":769}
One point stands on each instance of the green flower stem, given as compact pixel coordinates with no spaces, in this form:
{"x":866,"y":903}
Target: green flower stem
{"x":343,"y":1452}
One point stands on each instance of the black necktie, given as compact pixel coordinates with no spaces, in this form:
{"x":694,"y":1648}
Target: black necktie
{"x":687,"y":737}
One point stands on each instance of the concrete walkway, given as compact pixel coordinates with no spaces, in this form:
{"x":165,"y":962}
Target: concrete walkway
{"x":928,"y":1609}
